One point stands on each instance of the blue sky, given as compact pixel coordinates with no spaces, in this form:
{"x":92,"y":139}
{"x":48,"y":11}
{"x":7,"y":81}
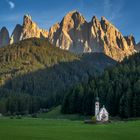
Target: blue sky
{"x":124,"y":14}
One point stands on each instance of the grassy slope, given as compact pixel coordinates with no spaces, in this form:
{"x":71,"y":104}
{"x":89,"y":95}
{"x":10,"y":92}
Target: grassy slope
{"x":56,"y":114}
{"x":39,"y":129}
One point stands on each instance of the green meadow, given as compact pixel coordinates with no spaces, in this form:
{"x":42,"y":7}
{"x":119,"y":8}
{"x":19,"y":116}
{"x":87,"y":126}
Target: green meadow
{"x":55,"y":129}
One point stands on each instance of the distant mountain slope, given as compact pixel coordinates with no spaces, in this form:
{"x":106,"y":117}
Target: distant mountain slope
{"x":34,"y":67}
{"x":138,"y":47}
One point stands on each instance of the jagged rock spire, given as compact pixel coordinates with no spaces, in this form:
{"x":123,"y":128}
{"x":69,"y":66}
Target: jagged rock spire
{"x":4,"y":37}
{"x":29,"y":29}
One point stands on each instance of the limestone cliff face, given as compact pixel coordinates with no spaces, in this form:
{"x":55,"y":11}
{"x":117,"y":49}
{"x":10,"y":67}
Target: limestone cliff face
{"x":67,"y":34}
{"x":4,"y":37}
{"x":29,"y":29}
{"x":130,"y":40}
{"x":138,"y":47}
{"x":74,"y":33}
{"x":15,"y":37}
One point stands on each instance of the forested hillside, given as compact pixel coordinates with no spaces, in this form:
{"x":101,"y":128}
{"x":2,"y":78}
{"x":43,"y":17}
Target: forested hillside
{"x":118,"y":89}
{"x":28,"y":56}
{"x":35,"y":75}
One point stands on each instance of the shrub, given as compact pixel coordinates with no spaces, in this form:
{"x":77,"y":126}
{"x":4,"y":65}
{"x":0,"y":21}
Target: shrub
{"x":94,"y":119}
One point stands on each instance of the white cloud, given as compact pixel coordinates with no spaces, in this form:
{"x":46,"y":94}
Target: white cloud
{"x":11,"y":4}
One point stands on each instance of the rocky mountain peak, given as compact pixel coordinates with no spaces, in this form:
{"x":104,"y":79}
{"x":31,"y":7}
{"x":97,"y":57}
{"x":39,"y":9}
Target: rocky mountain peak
{"x":95,"y":22}
{"x":27,"y":16}
{"x":72,"y":20}
{"x":27,"y":19}
{"x":4,"y":29}
{"x":29,"y":29}
{"x":15,"y":37}
{"x":75,"y":15}
{"x":94,"y":19}
{"x":106,"y":25}
{"x":77,"y":35}
{"x":4,"y":37}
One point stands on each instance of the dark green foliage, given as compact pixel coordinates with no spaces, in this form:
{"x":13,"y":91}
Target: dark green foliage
{"x":35,"y":68}
{"x":118,"y":89}
{"x":21,"y":104}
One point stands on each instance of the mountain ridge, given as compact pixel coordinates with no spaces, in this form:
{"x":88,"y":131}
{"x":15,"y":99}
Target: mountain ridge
{"x":77,"y":35}
{"x":74,"y":33}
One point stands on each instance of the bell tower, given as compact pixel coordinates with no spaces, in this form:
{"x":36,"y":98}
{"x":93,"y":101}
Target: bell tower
{"x":97,"y":106}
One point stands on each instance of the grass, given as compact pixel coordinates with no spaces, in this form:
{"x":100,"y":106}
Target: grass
{"x":48,"y":129}
{"x":55,"y":113}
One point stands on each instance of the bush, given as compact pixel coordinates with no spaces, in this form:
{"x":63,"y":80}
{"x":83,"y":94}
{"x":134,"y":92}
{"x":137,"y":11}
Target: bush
{"x":94,"y":119}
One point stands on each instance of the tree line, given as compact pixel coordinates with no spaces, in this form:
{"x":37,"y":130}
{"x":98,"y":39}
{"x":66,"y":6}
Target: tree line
{"x":33,"y":70}
{"x":118,"y":89}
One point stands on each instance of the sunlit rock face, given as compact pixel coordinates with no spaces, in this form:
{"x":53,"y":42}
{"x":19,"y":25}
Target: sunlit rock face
{"x":4,"y":37}
{"x":29,"y":29}
{"x":77,"y":35}
{"x":69,"y":34}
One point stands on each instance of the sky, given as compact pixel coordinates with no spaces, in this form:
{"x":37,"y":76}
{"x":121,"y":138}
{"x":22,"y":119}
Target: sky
{"x":124,"y":14}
